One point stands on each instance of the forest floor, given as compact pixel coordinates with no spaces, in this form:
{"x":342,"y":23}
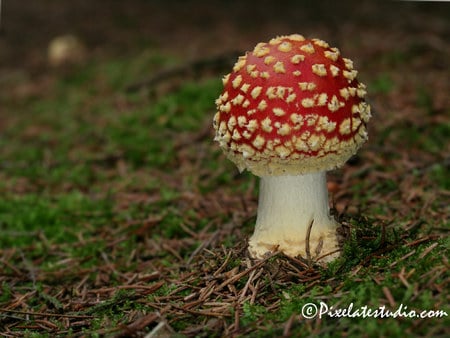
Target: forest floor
{"x":120,"y":217}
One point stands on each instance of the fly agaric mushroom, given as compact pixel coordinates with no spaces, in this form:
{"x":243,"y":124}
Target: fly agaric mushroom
{"x":291,"y":110}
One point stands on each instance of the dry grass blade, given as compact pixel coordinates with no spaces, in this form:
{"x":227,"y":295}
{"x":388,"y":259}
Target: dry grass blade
{"x":138,"y":325}
{"x":389,"y":297}
{"x":308,"y":249}
{"x":245,"y":272}
{"x":45,"y":314}
{"x":146,"y":288}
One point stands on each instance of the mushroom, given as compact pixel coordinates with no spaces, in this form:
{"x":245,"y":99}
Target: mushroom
{"x":291,"y":110}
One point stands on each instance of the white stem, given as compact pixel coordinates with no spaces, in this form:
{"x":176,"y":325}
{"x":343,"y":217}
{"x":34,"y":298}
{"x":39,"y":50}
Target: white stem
{"x":287,"y":206}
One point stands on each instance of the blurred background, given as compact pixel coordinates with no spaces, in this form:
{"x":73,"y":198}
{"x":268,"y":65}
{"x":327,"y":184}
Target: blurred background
{"x":400,"y":48}
{"x":194,"y":28}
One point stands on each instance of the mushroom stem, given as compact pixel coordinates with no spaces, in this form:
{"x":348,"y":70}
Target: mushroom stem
{"x":288,"y":205}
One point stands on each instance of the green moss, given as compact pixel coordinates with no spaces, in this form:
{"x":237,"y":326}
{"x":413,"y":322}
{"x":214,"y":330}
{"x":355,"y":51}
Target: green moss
{"x":95,"y":176}
{"x":381,"y":84}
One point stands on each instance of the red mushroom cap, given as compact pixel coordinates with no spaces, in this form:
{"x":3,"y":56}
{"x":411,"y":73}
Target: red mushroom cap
{"x":292,"y":106}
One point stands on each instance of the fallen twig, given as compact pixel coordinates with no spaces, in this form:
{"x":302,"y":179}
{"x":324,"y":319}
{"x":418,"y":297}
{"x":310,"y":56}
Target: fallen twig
{"x":223,"y":61}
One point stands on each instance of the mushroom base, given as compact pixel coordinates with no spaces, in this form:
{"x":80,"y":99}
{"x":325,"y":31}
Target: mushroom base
{"x":294,"y":218}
